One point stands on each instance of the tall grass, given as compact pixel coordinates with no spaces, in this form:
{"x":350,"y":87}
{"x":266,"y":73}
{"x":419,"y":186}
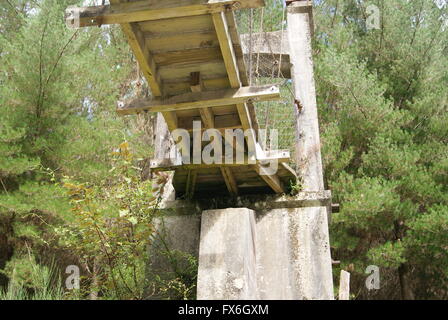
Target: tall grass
{"x":46,"y":285}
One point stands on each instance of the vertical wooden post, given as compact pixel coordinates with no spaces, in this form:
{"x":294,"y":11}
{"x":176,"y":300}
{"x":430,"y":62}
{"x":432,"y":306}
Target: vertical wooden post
{"x":314,"y":279}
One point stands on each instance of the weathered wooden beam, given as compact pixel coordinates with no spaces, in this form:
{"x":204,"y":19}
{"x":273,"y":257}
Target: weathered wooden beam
{"x":282,"y":156}
{"x":231,"y":63}
{"x":197,"y":85}
{"x":137,"y":11}
{"x":191,"y":183}
{"x":208,"y":119}
{"x":197,"y":100}
{"x":221,"y":122}
{"x":271,"y":179}
{"x":227,"y":50}
{"x":230,"y":181}
{"x":142,"y":54}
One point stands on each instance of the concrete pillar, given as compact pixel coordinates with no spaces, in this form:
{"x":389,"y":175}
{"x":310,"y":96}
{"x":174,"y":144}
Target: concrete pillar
{"x":310,"y":227}
{"x":278,"y":251}
{"x":291,"y":254}
{"x":227,"y":259}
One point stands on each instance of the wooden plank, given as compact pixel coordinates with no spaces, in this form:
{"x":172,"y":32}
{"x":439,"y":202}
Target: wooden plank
{"x":184,"y":57}
{"x":191,"y":183}
{"x":171,"y":120}
{"x":210,"y":69}
{"x":206,"y":99}
{"x":182,"y":41}
{"x":196,"y":84}
{"x":129,"y":12}
{"x":170,"y":165}
{"x":272,"y":180}
{"x":230,"y":181}
{"x":182,"y":85}
{"x":227,"y":50}
{"x":167,"y":27}
{"x":221,"y":122}
{"x":231,"y":62}
{"x":288,"y":169}
{"x":208,"y":119}
{"x":143,"y":56}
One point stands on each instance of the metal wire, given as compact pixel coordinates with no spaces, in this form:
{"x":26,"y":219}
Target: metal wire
{"x":266,"y":68}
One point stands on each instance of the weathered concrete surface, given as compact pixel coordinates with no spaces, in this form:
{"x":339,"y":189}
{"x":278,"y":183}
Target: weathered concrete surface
{"x":309,"y":227}
{"x":311,"y":253}
{"x":293,"y":258}
{"x":274,"y":267}
{"x":290,"y":253}
{"x":227,"y":262}
{"x":174,"y":233}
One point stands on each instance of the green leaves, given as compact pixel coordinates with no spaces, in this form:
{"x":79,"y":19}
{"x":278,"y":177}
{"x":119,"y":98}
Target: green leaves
{"x":382,"y":101}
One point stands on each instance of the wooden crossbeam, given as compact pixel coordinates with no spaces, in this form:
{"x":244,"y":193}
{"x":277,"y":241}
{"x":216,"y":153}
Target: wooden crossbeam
{"x":230,"y":181}
{"x":228,"y":53}
{"x":144,"y":58}
{"x":191,"y":183}
{"x":137,"y":11}
{"x":208,"y":118}
{"x":272,"y":180}
{"x":166,"y":166}
{"x":197,"y":100}
{"x":221,"y":122}
{"x":146,"y":62}
{"x":282,"y":156}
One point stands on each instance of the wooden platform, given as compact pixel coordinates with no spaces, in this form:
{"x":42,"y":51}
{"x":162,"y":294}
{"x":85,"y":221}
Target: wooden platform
{"x":191,"y":55}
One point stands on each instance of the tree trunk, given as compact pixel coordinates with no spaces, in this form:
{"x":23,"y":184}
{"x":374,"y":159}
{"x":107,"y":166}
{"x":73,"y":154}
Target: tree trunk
{"x":95,"y":282}
{"x":406,"y":290}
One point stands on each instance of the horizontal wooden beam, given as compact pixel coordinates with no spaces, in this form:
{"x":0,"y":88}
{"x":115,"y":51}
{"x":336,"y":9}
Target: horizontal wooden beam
{"x":282,"y":156}
{"x":196,"y":100}
{"x":272,"y":180}
{"x":129,"y":12}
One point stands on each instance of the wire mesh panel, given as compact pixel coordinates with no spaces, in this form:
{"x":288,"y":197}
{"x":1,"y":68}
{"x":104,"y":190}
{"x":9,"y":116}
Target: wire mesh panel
{"x":264,"y":43}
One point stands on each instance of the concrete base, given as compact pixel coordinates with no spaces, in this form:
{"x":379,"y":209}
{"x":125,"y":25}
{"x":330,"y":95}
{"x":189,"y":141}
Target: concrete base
{"x":293,"y":254}
{"x":278,"y":250}
{"x":227,"y":268}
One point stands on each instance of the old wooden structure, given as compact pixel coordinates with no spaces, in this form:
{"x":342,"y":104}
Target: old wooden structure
{"x":192,"y":57}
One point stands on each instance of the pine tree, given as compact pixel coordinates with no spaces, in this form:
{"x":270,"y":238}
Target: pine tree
{"x":383,"y":101}
{"x":57,"y":98}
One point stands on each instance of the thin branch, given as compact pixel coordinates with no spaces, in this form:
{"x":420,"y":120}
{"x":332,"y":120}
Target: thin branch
{"x":39,"y":99}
